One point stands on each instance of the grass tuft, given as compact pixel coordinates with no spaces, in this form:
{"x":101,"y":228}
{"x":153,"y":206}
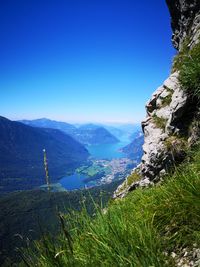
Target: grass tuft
{"x":159,"y":122}
{"x":167,"y":100}
{"x":180,"y":57}
{"x":187,"y":62}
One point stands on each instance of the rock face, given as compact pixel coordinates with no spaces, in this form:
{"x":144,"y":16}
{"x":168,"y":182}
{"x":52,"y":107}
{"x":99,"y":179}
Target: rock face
{"x":185,"y":17}
{"x":170,"y":112}
{"x":166,"y":112}
{"x":164,"y":120}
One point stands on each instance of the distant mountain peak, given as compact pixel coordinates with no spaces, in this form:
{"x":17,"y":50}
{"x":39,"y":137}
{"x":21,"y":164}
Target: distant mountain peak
{"x":86,"y":134}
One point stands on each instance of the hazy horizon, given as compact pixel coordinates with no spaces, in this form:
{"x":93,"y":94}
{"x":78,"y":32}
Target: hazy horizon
{"x":75,"y":122}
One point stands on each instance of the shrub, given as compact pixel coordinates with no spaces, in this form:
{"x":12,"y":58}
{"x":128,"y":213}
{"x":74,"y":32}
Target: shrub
{"x":167,"y":100}
{"x":187,"y":62}
{"x":189,"y":75}
{"x":177,"y":146}
{"x":134,"y":177}
{"x":180,"y":57}
{"x":159,"y":122}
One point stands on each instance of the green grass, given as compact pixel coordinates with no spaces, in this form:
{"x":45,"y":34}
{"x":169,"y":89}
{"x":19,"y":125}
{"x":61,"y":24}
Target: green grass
{"x":175,"y":143}
{"x":180,"y":57}
{"x":189,"y":75}
{"x":134,"y":177}
{"x":167,"y":100}
{"x":140,"y":230}
{"x":187,"y":62}
{"x":159,"y":122}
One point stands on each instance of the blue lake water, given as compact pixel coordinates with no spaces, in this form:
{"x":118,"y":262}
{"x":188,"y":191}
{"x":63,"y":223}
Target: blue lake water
{"x":74,"y":181}
{"x":105,"y":151}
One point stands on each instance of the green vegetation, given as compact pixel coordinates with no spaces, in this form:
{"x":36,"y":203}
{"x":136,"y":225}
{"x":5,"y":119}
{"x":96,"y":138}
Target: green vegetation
{"x":21,"y":157}
{"x":30,"y":214}
{"x":140,"y":230}
{"x":167,"y":100}
{"x":176,"y":143}
{"x":177,"y":146}
{"x":93,"y":169}
{"x":180,"y":57}
{"x":187,"y":62}
{"x":159,"y":122}
{"x":190,"y":72}
{"x":134,"y":177}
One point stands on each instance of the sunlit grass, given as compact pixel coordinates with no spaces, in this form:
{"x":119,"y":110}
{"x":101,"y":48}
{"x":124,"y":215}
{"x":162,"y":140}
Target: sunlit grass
{"x":140,"y":230}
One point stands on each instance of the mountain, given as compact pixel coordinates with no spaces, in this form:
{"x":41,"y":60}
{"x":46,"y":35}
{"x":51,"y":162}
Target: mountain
{"x":123,"y":131}
{"x":134,"y":150}
{"x":21,"y":155}
{"x":88,"y":127}
{"x":118,"y":133}
{"x":153,"y":225}
{"x":46,"y":123}
{"x":86,"y":134}
{"x":91,"y":134}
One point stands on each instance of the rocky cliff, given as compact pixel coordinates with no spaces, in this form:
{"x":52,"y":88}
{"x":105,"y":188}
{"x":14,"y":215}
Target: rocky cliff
{"x":185,"y":20}
{"x":171,"y":125}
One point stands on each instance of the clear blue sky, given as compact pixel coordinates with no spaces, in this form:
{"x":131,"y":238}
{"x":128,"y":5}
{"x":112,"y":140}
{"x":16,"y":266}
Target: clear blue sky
{"x":82,"y":60}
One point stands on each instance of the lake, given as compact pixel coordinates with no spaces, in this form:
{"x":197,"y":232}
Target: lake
{"x":75,"y":181}
{"x":105,"y":151}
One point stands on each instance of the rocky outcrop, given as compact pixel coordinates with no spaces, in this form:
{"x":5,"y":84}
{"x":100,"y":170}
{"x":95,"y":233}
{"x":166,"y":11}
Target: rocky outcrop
{"x":185,"y":18}
{"x":172,"y":115}
{"x":166,"y":112}
{"x":164,"y":127}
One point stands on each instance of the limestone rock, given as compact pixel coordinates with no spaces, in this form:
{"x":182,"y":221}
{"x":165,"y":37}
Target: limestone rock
{"x":162,"y":121}
{"x":184,"y":20}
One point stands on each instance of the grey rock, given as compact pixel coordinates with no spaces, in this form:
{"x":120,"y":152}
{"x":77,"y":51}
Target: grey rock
{"x":156,"y":158}
{"x":184,"y":20}
{"x":172,"y":82}
{"x":177,"y":107}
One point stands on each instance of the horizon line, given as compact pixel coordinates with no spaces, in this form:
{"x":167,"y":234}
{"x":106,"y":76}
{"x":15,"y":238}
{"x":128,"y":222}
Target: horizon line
{"x":12,"y":118}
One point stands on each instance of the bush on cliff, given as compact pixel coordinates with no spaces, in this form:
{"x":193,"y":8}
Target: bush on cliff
{"x":190,"y":72}
{"x":188,"y":64}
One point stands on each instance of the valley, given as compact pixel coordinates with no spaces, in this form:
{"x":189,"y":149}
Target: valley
{"x":107,"y":163}
{"x":80,"y":156}
{"x":98,"y":172}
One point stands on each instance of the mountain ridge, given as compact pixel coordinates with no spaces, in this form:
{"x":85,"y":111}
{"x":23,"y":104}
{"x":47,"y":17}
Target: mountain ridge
{"x":21,"y":154}
{"x":134,"y":149}
{"x":86,"y":134}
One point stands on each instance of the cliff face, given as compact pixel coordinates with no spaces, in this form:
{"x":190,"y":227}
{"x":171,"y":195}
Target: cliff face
{"x":169,"y":128}
{"x":185,"y":18}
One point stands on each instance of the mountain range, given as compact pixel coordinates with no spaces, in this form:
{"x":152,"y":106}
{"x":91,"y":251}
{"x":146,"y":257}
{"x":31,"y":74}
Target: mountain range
{"x":21,"y":155}
{"x":87,"y":134}
{"x":22,"y":144}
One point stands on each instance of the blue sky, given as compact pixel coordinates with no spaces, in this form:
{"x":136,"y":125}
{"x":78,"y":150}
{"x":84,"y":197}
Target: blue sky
{"x":81,"y":60}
